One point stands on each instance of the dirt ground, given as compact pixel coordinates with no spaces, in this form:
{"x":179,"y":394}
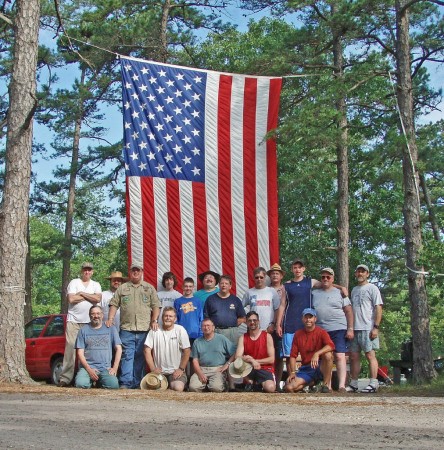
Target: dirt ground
{"x":47,"y":417}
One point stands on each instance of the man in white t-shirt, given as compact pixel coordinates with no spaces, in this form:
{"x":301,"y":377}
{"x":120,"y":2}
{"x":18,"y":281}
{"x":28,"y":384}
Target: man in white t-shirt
{"x":262,"y":299}
{"x":81,"y":293}
{"x":167,"y":350}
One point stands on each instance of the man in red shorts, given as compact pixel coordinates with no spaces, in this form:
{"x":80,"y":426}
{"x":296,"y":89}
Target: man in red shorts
{"x":316,"y":349}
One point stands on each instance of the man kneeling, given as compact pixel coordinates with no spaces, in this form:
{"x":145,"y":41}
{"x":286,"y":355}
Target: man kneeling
{"x":311,"y":342}
{"x":167,"y":350}
{"x":95,"y":344}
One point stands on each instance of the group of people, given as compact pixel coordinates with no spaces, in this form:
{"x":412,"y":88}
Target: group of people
{"x":194,"y":340}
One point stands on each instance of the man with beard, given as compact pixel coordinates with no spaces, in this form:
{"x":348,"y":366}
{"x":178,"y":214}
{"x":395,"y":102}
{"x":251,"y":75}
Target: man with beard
{"x":209,"y":280}
{"x":95,"y":345}
{"x":256,"y":348}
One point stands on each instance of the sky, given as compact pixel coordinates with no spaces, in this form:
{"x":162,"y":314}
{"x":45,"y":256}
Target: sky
{"x":43,"y":169}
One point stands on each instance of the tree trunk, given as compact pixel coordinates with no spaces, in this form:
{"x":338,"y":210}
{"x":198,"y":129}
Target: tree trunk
{"x":342,"y":162}
{"x":28,"y":280}
{"x":430,"y":209}
{"x":67,"y":245}
{"x":166,"y":7}
{"x":423,"y":370}
{"x":14,"y":208}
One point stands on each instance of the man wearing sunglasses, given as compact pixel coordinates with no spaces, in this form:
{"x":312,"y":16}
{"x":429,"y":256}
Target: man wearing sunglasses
{"x":334,"y":315}
{"x":257,"y":348}
{"x":262,"y":299}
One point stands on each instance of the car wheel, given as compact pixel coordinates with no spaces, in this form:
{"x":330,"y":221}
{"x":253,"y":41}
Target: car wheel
{"x":56,"y":369}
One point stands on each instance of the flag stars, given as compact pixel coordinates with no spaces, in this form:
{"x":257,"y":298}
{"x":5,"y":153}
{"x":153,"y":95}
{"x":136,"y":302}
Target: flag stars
{"x":128,"y":67}
{"x":177,"y":169}
{"x":145,"y":70}
{"x":143,"y":145}
{"x":186,"y":103}
{"x":178,"y":129}
{"x":195,"y":114}
{"x":159,"y":127}
{"x":127,"y":105}
{"x":127,"y":125}
{"x":142,"y":166}
{"x":177,"y":148}
{"x":151,"y":116}
{"x":195,"y":132}
{"x":177,"y":110}
{"x":187,"y":121}
{"x":170,"y":83}
{"x":187,"y":86}
{"x":159,"y":108}
{"x":151,"y":98}
{"x":143,"y":88}
{"x":152,"y":80}
{"x":186,"y":160}
{"x":128,"y":86}
{"x":178,"y":93}
{"x":151,"y":136}
{"x":150,"y":156}
{"x":196,"y":96}
{"x":143,"y":125}
{"x":160,"y":90}
{"x":159,"y":147}
{"x":168,"y":118}
{"x":135,"y":135}
{"x":168,"y":158}
{"x":162,"y":73}
{"x":159,"y":167}
{"x":134,"y":156}
{"x":180,"y":76}
{"x":196,"y":171}
{"x":168,"y":138}
{"x":197,"y":79}
{"x":135,"y":96}
{"x":195,"y":151}
{"x":135,"y":77}
{"x":169,"y":100}
{"x":135,"y":115}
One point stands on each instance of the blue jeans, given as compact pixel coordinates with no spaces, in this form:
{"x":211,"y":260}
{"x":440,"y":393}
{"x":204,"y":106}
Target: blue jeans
{"x":107,"y":381}
{"x":132,"y":365}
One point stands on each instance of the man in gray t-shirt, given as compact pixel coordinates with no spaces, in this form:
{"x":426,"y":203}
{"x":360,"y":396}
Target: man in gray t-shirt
{"x":367,"y":310}
{"x":334,"y":315}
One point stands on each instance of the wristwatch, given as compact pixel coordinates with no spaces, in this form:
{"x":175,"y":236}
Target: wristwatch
{"x":182,"y":369}
{"x":376,"y":326}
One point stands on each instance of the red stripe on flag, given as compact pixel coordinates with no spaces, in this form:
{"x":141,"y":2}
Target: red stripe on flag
{"x":149,"y":231}
{"x":272,"y":183}
{"x":200,"y":228}
{"x":174,"y":227}
{"x":224,"y":173}
{"x":128,"y":222}
{"x":249,"y":157}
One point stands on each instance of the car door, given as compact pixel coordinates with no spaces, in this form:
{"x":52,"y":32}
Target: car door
{"x":33,"y":330}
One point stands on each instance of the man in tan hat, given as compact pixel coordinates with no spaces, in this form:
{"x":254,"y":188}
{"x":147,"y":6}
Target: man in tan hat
{"x":115,"y":280}
{"x":81,"y":293}
{"x":256,"y":348}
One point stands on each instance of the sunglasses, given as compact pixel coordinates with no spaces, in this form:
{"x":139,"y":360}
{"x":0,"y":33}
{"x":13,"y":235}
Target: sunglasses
{"x":325,"y":277}
{"x":259,"y":277}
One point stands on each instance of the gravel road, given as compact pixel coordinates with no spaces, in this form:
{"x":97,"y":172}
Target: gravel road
{"x":47,"y":417}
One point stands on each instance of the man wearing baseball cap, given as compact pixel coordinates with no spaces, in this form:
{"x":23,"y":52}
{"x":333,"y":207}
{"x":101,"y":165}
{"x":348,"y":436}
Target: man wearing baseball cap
{"x":139,"y":310}
{"x":82,"y":293}
{"x":115,"y":280}
{"x":367,"y":312}
{"x":316,"y":347}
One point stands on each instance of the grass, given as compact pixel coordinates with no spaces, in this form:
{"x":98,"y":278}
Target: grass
{"x":433,"y":389}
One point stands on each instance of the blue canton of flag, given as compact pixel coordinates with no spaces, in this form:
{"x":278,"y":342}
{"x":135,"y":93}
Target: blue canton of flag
{"x":164,"y":111}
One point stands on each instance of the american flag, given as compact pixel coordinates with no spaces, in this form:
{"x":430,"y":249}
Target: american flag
{"x":201,"y":175}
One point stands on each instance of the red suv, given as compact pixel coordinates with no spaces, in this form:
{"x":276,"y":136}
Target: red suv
{"x":45,"y":346}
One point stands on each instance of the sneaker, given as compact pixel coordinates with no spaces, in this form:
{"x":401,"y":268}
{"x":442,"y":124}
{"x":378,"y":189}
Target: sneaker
{"x":342,"y":390}
{"x":351,"y":388}
{"x":325,"y":389}
{"x":370,"y":389}
{"x":63,"y":384}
